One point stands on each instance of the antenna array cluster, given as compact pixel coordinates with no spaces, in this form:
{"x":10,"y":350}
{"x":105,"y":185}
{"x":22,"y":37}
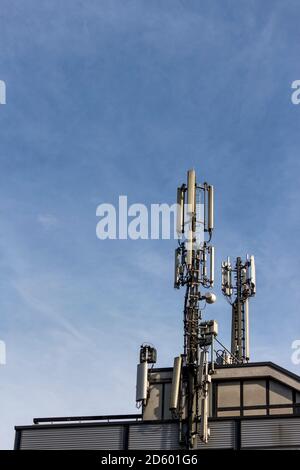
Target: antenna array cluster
{"x":148,"y":355}
{"x":191,"y":223}
{"x":194,"y":270}
{"x":238,"y":285}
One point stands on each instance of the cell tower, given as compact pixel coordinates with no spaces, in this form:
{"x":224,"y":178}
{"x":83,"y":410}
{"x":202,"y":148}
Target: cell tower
{"x":191,"y":374}
{"x":238,"y":294}
{"x":194,"y":270}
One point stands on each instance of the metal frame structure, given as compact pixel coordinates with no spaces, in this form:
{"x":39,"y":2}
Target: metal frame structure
{"x":189,"y":398}
{"x":238,"y":295}
{"x":194,"y":270}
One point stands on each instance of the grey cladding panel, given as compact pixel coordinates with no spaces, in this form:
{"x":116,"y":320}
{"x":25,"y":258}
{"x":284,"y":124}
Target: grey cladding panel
{"x":280,"y":394}
{"x":154,"y":436}
{"x":256,"y":433}
{"x":222,"y":436}
{"x":229,"y":394}
{"x":98,"y":438}
{"x":271,"y":433}
{"x":167,"y":412}
{"x":255,"y":392}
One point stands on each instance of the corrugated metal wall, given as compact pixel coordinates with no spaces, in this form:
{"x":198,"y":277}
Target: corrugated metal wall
{"x":250,"y":433}
{"x":154,"y":436}
{"x":222,"y":436}
{"x":81,"y":437}
{"x":277,"y":432}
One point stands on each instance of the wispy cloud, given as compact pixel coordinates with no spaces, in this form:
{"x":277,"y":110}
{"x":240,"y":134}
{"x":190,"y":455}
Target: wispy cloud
{"x":47,"y":220}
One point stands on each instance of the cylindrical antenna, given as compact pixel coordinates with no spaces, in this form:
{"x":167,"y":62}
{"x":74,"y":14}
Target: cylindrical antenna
{"x":246,"y":326}
{"x":212,"y":266}
{"x":210,"y":208}
{"x":191,"y":187}
{"x":142,"y":382}
{"x":175,"y":383}
{"x":180,"y":211}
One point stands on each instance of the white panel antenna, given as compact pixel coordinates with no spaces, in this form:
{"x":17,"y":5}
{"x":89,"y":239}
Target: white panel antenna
{"x":191,"y":183}
{"x":175,"y":384}
{"x":180,"y":211}
{"x":210,"y":208}
{"x":142,"y":383}
{"x":252,"y":274}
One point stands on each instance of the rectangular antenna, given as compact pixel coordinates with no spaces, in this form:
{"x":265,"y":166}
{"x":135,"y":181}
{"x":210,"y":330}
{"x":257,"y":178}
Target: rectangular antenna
{"x":175,"y":383}
{"x":253,"y":274}
{"x":200,"y":367}
{"x":177,"y":264}
{"x":180,"y":211}
{"x":210,"y":208}
{"x":246,"y":326}
{"x":204,"y":263}
{"x":212,"y":266}
{"x":226,"y":278}
{"x":142,"y":382}
{"x":204,"y":429}
{"x":223,"y":276}
{"x":191,"y":183}
{"x":229,"y":281}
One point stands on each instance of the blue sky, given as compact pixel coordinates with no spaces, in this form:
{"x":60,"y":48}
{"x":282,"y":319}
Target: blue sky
{"x":114,"y":97}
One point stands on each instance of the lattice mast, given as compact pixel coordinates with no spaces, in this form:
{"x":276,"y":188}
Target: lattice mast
{"x":238,"y":285}
{"x":191,"y":377}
